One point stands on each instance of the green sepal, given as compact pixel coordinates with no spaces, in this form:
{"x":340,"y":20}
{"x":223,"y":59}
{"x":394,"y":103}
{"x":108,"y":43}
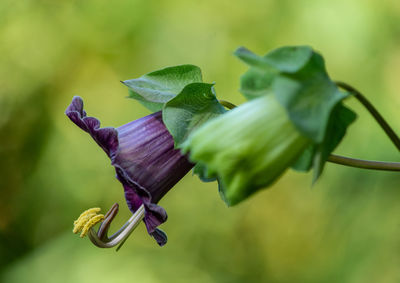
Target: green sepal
{"x":340,"y":120}
{"x":255,"y":83}
{"x":288,"y":59}
{"x":316,"y":155}
{"x":201,"y":170}
{"x":305,"y":162}
{"x":191,"y":108}
{"x":152,"y":106}
{"x":251,"y":59}
{"x":309,"y":96}
{"x":158,"y":87}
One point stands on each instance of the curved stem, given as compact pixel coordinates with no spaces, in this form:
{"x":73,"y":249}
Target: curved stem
{"x":378,"y":117}
{"x":364,"y":164}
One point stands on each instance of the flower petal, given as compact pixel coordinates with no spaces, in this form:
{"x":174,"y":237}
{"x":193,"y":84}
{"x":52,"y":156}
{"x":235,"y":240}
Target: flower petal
{"x":106,"y":138}
{"x":144,"y":158}
{"x":160,"y":237}
{"x":135,"y":196}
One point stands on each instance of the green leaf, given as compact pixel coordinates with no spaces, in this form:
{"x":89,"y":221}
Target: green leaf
{"x":252,"y":59}
{"x":316,"y":155}
{"x":201,"y":170}
{"x":191,"y":108}
{"x":309,"y":97}
{"x":289,"y":59}
{"x":153,"y":107}
{"x":258,"y":80}
{"x":156,"y":88}
{"x":305,"y":162}
{"x":256,"y":83}
{"x":339,"y":121}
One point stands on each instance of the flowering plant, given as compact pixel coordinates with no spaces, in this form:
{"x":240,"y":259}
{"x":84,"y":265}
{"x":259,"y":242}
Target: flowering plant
{"x":294,"y":118}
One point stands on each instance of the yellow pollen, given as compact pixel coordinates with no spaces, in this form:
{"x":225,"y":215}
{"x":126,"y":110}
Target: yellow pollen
{"x":86,"y":220}
{"x":92,"y":221}
{"x":94,"y":210}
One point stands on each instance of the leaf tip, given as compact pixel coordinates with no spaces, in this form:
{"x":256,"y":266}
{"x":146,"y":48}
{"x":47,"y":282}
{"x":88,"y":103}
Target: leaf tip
{"x":241,"y":50}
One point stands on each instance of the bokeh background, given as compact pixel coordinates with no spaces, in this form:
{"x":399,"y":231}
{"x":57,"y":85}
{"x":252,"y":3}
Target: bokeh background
{"x":345,"y":228}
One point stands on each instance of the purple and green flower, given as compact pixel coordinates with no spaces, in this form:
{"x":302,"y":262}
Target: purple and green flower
{"x":294,"y":119}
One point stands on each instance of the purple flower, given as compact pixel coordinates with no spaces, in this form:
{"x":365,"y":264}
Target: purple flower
{"x":144,"y":158}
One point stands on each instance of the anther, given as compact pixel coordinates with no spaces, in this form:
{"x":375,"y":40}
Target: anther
{"x":84,"y":218}
{"x":89,"y":224}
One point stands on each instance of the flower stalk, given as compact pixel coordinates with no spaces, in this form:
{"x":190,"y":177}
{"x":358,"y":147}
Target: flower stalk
{"x":364,"y":164}
{"x":372,"y":110}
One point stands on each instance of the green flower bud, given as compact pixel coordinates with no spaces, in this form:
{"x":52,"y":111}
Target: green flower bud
{"x":247,"y":148}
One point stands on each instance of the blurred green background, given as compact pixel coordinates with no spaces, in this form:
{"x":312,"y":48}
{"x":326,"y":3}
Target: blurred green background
{"x":346,"y":228}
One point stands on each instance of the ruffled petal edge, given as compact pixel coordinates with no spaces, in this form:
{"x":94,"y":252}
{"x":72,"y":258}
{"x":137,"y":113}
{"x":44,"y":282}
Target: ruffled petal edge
{"x":135,"y":196}
{"x":106,"y":138}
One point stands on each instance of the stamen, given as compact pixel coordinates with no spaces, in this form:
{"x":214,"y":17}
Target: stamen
{"x":93,"y":210}
{"x":86,"y":220}
{"x":92,"y":221}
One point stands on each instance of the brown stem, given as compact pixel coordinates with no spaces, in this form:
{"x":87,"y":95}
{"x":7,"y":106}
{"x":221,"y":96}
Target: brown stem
{"x":372,"y":110}
{"x":364,"y":164}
